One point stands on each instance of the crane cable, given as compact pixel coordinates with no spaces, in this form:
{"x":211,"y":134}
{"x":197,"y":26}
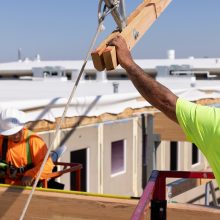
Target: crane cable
{"x":99,"y":29}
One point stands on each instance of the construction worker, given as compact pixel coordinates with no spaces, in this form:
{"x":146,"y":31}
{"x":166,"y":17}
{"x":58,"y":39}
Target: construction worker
{"x":201,"y":124}
{"x":21,"y":150}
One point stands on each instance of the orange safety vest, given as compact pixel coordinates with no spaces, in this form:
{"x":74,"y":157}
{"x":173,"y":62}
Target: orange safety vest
{"x":18,"y":156}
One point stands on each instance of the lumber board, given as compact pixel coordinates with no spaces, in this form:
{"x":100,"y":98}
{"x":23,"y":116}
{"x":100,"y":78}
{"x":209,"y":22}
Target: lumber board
{"x":140,"y":20}
{"x":191,"y":212}
{"x":58,"y":205}
{"x":53,"y":205}
{"x":179,"y":211}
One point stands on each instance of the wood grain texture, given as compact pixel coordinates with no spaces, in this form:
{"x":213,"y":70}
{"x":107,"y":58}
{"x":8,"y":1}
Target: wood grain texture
{"x":52,"y":205}
{"x":56,"y":205}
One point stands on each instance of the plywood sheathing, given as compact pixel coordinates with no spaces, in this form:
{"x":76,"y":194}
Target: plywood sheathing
{"x":170,"y":130}
{"x":52,"y":205}
{"x":208,"y":101}
{"x":191,"y":212}
{"x":43,"y":125}
{"x":167,"y":129}
{"x":162,"y":125}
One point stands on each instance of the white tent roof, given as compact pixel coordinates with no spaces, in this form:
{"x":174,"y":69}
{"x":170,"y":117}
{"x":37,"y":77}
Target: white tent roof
{"x":46,"y":99}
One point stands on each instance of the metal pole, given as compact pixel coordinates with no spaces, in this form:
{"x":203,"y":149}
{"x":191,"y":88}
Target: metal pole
{"x":122,"y":11}
{"x":158,"y":209}
{"x":115,"y":14}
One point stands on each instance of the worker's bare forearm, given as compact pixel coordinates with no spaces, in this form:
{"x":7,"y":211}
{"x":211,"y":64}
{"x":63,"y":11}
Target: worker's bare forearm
{"x":154,"y":92}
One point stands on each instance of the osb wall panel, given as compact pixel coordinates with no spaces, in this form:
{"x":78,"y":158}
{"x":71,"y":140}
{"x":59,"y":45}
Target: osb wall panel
{"x":162,"y":125}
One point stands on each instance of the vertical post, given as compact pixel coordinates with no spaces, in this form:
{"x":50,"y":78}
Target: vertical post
{"x":115,"y":87}
{"x":158,"y":209}
{"x":159,"y":202}
{"x":100,"y":158}
{"x":78,"y":179}
{"x":144,"y":155}
{"x":149,"y":145}
{"x":140,"y":211}
{"x":152,"y":141}
{"x":135,"y":167}
{"x":44,"y":183}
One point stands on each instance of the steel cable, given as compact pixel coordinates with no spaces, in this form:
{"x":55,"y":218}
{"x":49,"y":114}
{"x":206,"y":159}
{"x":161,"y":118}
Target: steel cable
{"x":99,"y":29}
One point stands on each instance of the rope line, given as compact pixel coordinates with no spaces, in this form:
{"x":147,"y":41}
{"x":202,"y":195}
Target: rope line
{"x":99,"y":29}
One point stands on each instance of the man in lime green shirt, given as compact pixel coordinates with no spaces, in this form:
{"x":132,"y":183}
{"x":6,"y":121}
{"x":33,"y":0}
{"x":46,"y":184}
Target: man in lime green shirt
{"x":201,"y":124}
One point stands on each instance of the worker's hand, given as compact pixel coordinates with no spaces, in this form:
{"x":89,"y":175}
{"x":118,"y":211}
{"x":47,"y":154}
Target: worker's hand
{"x":26,"y":181}
{"x":123,"y":53}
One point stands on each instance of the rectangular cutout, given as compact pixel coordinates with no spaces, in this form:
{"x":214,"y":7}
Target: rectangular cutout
{"x":117,"y":157}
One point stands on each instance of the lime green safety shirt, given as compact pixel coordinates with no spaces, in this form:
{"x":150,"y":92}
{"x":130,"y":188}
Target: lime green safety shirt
{"x":201,"y":125}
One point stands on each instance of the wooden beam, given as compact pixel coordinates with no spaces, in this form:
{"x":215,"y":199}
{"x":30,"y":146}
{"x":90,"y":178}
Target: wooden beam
{"x":140,"y":20}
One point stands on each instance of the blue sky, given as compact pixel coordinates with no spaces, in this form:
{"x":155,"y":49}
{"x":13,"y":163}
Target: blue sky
{"x":63,"y":29}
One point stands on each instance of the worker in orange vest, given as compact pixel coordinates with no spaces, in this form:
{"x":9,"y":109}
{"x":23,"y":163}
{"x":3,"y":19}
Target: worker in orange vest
{"x":21,"y":151}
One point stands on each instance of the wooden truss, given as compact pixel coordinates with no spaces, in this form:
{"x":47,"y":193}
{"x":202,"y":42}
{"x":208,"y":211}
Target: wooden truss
{"x":139,"y":21}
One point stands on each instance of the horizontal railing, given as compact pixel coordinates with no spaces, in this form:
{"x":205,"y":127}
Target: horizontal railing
{"x":155,"y":191}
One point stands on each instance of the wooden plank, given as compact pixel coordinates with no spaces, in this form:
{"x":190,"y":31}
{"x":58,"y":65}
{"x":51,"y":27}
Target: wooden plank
{"x":179,"y":211}
{"x":139,"y":22}
{"x":97,"y":55}
{"x":191,"y":212}
{"x":110,"y":59}
{"x":53,"y":205}
{"x":167,"y":129}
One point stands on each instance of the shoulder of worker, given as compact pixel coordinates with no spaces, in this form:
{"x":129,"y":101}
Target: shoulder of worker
{"x":32,"y":136}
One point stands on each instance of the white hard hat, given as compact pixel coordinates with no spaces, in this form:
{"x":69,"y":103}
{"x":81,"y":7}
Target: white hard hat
{"x":11,"y":121}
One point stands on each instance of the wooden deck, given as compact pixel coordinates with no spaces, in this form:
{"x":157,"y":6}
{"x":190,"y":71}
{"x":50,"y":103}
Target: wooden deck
{"x":189,"y":212}
{"x":56,"y":205}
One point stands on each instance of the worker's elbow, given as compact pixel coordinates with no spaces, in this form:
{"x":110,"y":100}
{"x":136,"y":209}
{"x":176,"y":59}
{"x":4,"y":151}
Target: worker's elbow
{"x":169,"y":107}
